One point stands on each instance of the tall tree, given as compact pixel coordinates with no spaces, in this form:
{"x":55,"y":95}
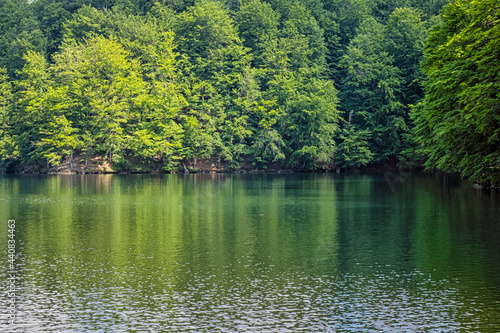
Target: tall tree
{"x":459,"y":122}
{"x":217,"y":62}
{"x":311,"y":119}
{"x":369,"y":90}
{"x":106,"y":91}
{"x":406,"y":34}
{"x":353,"y":149}
{"x":300,"y":25}
{"x":258,"y":24}
{"x":348,"y":14}
{"x":5,"y":123}
{"x":31,"y":112}
{"x":51,"y":15}
{"x":19,"y":33}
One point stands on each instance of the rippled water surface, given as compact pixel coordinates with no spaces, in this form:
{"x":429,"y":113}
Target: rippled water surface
{"x":251,"y":253}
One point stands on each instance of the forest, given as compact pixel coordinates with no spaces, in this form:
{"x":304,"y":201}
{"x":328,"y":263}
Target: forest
{"x":299,"y":84}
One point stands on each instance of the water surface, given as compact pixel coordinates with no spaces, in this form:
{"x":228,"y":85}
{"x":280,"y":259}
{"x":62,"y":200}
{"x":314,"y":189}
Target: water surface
{"x":251,"y":253}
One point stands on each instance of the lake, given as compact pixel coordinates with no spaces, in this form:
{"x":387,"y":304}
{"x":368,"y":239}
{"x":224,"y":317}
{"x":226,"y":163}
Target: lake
{"x":249,"y":253}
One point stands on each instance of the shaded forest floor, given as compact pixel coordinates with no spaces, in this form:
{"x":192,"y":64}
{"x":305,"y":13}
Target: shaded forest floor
{"x":98,"y":165}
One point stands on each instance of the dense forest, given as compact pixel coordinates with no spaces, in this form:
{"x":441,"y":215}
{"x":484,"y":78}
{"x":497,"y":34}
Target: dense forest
{"x":302,"y":84}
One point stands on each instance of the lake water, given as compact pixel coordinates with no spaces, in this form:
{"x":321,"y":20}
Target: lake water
{"x":250,"y":253}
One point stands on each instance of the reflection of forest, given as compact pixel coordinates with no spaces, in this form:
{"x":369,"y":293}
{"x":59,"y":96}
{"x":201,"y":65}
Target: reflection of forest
{"x":149,"y":243}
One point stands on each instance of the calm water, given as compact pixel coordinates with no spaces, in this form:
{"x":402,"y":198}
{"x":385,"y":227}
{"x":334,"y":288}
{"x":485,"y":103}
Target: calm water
{"x":251,"y":253}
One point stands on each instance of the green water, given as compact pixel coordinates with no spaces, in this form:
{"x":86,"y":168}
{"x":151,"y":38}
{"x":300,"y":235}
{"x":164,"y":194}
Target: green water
{"x":251,"y":253}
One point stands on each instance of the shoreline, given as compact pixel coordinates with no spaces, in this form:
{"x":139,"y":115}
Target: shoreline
{"x":214,"y":166}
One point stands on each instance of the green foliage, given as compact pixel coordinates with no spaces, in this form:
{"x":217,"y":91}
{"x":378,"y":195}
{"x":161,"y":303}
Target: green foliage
{"x":58,"y":140}
{"x":258,"y":24}
{"x":310,"y":122}
{"x":31,"y":111}
{"x":204,"y":28}
{"x":301,"y":27}
{"x":5,"y":123}
{"x":459,"y":122}
{"x":19,"y":33}
{"x":429,"y":7}
{"x":406,"y":34}
{"x":105,"y":87}
{"x":218,"y":70}
{"x":369,"y":90}
{"x":268,"y":145}
{"x":86,"y":23}
{"x":51,"y":15}
{"x":169,"y":82}
{"x":385,"y":8}
{"x":353,"y":150}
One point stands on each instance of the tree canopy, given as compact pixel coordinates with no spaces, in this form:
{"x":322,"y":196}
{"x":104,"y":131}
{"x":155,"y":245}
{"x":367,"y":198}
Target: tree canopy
{"x":301,"y":84}
{"x":458,"y":123}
